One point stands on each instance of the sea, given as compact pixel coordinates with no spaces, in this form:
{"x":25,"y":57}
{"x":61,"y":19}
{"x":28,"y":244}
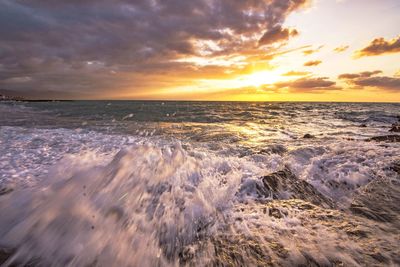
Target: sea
{"x":163,"y":183}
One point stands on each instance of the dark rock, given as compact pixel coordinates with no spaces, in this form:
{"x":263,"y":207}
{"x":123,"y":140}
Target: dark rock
{"x":395,"y":167}
{"x":308,"y":136}
{"x":277,"y":213}
{"x":385,"y":138}
{"x":395,"y":128}
{"x":357,"y":232}
{"x":274,"y":149}
{"x":378,"y":201}
{"x":5,"y":191}
{"x":5,"y":254}
{"x":363,"y":125}
{"x":372,"y":214}
{"x":285,"y":185}
{"x":342,"y":186}
{"x":7,"y":259}
{"x":245,"y":243}
{"x":380,"y":257}
{"x":186,"y":254}
{"x":241,"y":251}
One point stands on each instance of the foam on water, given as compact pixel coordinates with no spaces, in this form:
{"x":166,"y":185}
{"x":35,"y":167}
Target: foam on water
{"x":82,"y":196}
{"x":337,"y":169}
{"x":154,"y":200}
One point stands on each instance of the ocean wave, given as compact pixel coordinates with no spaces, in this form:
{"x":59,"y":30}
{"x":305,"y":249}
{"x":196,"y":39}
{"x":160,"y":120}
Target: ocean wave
{"x":83,"y":186}
{"x":154,"y":202}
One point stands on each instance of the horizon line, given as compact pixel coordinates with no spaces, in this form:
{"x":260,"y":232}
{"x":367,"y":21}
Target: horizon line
{"x":181,"y":100}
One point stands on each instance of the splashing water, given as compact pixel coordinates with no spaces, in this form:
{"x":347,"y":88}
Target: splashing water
{"x":88,"y":197}
{"x":151,"y":200}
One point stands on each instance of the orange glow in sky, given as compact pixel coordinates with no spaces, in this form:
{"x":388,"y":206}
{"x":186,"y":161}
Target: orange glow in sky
{"x":299,"y":50}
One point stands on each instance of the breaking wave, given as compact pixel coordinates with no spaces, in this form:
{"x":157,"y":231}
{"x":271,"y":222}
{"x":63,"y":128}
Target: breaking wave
{"x":74,"y":196}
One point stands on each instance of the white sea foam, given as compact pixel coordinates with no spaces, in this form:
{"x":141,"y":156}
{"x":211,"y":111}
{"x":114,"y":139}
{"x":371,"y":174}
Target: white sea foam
{"x":156,"y":199}
{"x":151,"y":199}
{"x":337,"y":169}
{"x":85,"y":197}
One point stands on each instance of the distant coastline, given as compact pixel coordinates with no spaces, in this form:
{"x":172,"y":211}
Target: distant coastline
{"x":7,"y":98}
{"x":11,"y":98}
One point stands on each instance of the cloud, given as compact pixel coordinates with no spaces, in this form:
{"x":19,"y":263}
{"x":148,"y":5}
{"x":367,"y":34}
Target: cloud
{"x":364,"y":74}
{"x":95,"y":48}
{"x":382,"y":82}
{"x":312,"y":63}
{"x":341,"y":48}
{"x":308,"y":85}
{"x":370,"y":79}
{"x":380,"y":46}
{"x":18,"y":80}
{"x":296,"y":73}
{"x":312,"y":51}
{"x":277,"y":34}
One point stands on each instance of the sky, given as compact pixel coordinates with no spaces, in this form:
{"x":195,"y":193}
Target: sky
{"x":239,"y":50}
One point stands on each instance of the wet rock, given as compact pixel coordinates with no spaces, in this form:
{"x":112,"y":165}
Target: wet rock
{"x":356,"y":231}
{"x":5,"y":190}
{"x":285,"y":185}
{"x":7,"y":259}
{"x":283,"y":225}
{"x":240,"y":250}
{"x":274,"y":149}
{"x":277,"y":213}
{"x":378,"y":201}
{"x":395,"y":167}
{"x":340,"y":186}
{"x":379,"y":257}
{"x":5,"y":254}
{"x":308,"y":136}
{"x":386,"y":138}
{"x":371,"y":213}
{"x":297,"y":234}
{"x":187,"y":254}
{"x":395,"y":128}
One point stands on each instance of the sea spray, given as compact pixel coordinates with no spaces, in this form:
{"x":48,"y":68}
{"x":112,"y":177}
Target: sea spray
{"x":154,"y":201}
{"x":215,"y":184}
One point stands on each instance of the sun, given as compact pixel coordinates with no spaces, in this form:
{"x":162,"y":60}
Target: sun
{"x":258,"y":79}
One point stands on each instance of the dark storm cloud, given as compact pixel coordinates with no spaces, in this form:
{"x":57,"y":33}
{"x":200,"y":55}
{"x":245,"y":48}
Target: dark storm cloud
{"x":380,"y":46}
{"x":370,"y":79}
{"x":307,"y":85}
{"x":88,"y":47}
{"x":312,"y":63}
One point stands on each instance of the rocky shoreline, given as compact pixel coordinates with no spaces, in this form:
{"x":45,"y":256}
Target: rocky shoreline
{"x":279,"y":219}
{"x":283,"y":196}
{"x":364,"y":224}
